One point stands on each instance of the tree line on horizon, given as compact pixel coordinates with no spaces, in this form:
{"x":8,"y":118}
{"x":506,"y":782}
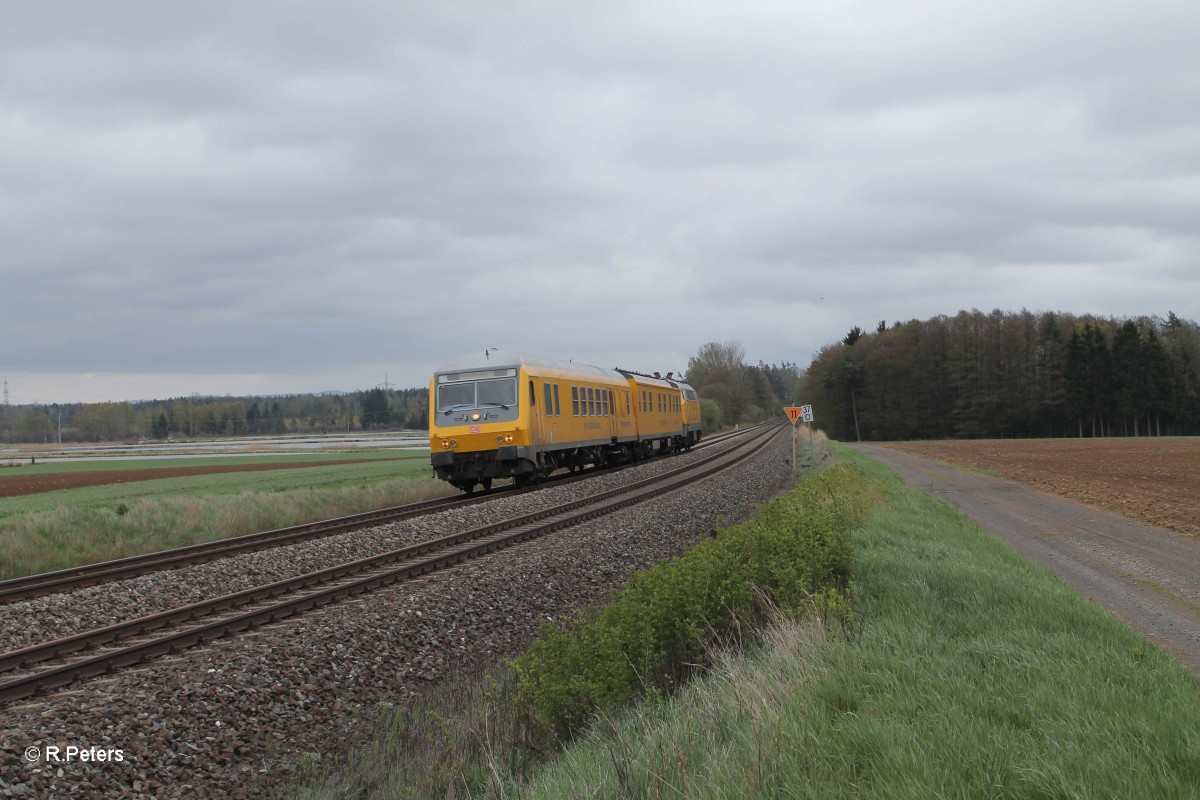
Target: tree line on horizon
{"x":1009,"y":375}
{"x":192,"y":417}
{"x":973,"y":375}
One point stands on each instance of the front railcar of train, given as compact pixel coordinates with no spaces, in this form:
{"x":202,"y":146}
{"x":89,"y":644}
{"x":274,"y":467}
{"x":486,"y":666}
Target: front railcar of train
{"x":478,"y":426}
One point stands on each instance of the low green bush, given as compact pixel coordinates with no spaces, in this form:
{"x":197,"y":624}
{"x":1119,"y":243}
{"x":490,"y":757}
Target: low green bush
{"x":794,"y":557}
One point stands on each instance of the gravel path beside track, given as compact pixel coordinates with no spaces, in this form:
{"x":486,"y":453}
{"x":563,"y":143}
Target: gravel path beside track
{"x":226,"y":720}
{"x":1147,"y":576}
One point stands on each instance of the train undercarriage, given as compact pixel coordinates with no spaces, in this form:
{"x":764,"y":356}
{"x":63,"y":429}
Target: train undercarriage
{"x":528,"y":465}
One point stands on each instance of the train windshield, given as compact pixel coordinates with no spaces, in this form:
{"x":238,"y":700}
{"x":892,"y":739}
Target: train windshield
{"x":497,"y":393}
{"x":477,"y":394}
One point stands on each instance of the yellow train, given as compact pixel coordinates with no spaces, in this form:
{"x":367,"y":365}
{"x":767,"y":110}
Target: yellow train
{"x":504,"y":414}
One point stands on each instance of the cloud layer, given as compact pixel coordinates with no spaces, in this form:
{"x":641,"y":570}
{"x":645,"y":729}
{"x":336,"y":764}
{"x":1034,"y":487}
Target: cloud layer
{"x":310,"y":196}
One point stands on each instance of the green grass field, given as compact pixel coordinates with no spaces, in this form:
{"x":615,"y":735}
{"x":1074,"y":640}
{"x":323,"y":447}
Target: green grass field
{"x":52,"y":465}
{"x":378,"y":466}
{"x":59,"y":529}
{"x":967,"y":672}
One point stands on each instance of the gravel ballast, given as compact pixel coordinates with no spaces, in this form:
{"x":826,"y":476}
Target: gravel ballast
{"x":228,"y":719}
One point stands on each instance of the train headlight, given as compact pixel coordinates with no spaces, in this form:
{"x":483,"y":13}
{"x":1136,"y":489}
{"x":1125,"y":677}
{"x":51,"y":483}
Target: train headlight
{"x":475,"y":417}
{"x":508,"y":437}
{"x":499,"y":439}
{"x":445,"y":443}
{"x":454,"y":443}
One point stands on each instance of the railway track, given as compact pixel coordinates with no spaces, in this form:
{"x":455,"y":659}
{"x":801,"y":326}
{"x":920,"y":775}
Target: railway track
{"x":32,"y":586}
{"x":132,"y":642}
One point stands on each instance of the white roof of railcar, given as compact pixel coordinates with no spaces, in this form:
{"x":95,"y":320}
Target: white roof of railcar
{"x":501,"y":359}
{"x":661,"y":383}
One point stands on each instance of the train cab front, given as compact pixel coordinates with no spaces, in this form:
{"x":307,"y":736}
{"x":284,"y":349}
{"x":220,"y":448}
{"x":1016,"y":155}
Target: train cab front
{"x":476,"y":430}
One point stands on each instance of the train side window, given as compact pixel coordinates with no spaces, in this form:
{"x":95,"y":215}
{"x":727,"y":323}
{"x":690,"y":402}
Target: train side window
{"x":612,"y":405}
{"x":575,"y":401}
{"x":591,"y":402}
{"x":532,"y":395}
{"x":549,"y":398}
{"x":626,"y":393}
{"x":557,"y":412}
{"x":607,"y":405}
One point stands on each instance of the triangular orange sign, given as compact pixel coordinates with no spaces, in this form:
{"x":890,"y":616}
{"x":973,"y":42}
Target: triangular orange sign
{"x":794,"y":413}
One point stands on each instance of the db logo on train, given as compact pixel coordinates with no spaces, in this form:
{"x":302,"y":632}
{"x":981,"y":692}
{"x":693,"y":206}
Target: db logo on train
{"x":474,"y":429}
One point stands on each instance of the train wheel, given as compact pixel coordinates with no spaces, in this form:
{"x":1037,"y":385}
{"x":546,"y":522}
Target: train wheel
{"x":487,"y":484}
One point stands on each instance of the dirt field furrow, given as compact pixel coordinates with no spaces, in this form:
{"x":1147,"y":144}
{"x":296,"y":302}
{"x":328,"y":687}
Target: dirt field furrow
{"x":16,"y":484}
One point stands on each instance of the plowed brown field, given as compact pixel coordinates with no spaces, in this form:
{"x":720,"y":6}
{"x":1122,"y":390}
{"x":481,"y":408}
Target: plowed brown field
{"x":15,"y":485}
{"x":1152,"y":480}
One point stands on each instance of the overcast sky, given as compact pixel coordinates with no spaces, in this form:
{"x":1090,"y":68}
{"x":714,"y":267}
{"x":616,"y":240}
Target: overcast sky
{"x":283,"y":197}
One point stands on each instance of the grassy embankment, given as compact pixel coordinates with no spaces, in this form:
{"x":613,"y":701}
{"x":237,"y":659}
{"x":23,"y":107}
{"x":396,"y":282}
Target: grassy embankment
{"x":56,"y":530}
{"x":968,"y":672}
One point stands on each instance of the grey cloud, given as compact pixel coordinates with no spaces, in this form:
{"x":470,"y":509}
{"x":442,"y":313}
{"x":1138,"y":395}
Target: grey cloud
{"x":268,"y":187}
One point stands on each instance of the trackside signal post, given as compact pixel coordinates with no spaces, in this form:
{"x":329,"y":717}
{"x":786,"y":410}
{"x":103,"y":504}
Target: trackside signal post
{"x":795,"y":414}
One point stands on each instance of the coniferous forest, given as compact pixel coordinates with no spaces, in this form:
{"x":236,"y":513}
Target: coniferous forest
{"x":1005,"y":374}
